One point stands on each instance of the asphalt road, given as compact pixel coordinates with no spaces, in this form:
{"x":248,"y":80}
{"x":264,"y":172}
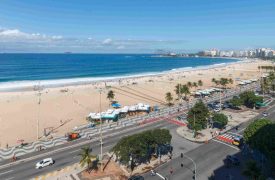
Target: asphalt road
{"x":65,"y":155}
{"x":209,"y":158}
{"x":26,"y":170}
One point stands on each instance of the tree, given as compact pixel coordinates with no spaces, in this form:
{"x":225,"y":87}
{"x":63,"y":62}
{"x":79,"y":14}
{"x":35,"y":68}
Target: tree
{"x":230,"y":81}
{"x":185,"y":90}
{"x":195,"y":85}
{"x":224,"y":82}
{"x":236,"y":102}
{"x":178,"y":91}
{"x":198,"y":116}
{"x":189,"y":84}
{"x":253,"y":128}
{"x":200,"y":83}
{"x":249,"y":99}
{"x":252,"y":170}
{"x":111,"y":95}
{"x":140,"y":147}
{"x":215,"y":81}
{"x":86,"y":157}
{"x":220,"y":119}
{"x":169,"y":98}
{"x":260,"y":135}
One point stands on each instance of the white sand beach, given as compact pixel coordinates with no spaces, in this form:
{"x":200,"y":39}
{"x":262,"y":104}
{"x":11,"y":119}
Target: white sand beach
{"x":70,"y":105}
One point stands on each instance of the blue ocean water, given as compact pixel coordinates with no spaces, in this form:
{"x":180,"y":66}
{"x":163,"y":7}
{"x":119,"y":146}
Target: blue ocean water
{"x":29,"y":67}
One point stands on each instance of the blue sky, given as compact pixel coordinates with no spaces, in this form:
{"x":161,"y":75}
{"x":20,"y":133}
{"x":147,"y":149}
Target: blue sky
{"x":135,"y":25}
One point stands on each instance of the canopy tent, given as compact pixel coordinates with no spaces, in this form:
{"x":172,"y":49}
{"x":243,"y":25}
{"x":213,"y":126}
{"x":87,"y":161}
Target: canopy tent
{"x":116,"y":105}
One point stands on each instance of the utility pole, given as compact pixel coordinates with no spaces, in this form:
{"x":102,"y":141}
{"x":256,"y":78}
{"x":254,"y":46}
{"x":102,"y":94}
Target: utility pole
{"x":194,"y":121}
{"x":38,"y":114}
{"x":101,"y":156}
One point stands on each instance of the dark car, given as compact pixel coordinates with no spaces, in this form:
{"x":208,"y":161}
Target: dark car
{"x":233,"y":160}
{"x":136,"y":178}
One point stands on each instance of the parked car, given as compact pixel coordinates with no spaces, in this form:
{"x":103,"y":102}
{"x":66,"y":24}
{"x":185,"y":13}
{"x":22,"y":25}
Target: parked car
{"x":265,"y":114}
{"x":44,"y":163}
{"x":217,"y":109}
{"x":136,"y":178}
{"x":233,"y":160}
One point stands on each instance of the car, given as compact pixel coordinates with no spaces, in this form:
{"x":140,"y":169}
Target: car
{"x":44,"y":163}
{"x":265,"y":114}
{"x":217,"y":109}
{"x":136,"y":178}
{"x":233,"y":160}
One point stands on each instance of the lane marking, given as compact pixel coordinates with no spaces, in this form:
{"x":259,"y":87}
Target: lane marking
{"x":77,"y":145}
{"x":234,"y":133}
{"x":75,"y":151}
{"x":226,"y":144}
{"x":6,"y":172}
{"x":9,"y":178}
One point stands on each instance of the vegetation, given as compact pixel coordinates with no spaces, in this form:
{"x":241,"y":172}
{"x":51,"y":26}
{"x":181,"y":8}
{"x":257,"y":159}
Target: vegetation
{"x":198,"y":116}
{"x":222,"y":81}
{"x":260,"y":135}
{"x":189,"y":84}
{"x":252,"y":170}
{"x":140,"y":147}
{"x":267,"y":83}
{"x":111,"y":95}
{"x":236,"y":102}
{"x":200,"y":83}
{"x":86,"y":158}
{"x":182,"y":89}
{"x":185,"y":90}
{"x":220,"y":119}
{"x":169,"y":98}
{"x":249,"y":99}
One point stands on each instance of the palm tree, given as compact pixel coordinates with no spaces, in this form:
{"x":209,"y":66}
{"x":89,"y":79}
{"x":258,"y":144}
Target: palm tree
{"x":216,"y":82}
{"x":200,"y":83}
{"x":177,"y":90}
{"x":195,"y":85}
{"x":185,"y":90}
{"x":230,"y":81}
{"x":169,"y":98}
{"x":86,"y":157}
{"x":251,"y":170}
{"x":224,"y":82}
{"x":111,"y":96}
{"x":189,"y":84}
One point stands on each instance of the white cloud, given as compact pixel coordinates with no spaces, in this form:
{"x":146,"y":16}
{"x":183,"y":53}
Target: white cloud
{"x":121,"y":47}
{"x":107,"y":41}
{"x":16,"y":34}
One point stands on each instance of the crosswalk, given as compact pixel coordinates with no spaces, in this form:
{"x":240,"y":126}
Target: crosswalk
{"x":227,"y":137}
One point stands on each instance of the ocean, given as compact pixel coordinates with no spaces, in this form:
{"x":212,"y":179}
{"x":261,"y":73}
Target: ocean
{"x":18,"y":70}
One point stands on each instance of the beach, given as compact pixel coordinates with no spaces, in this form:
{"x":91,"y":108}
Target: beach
{"x":66,"y":107}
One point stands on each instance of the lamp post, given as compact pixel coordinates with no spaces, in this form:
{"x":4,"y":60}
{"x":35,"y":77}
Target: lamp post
{"x":38,"y":113}
{"x":101,"y":138}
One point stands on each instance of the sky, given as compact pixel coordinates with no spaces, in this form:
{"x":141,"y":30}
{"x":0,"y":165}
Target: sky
{"x":135,"y":26}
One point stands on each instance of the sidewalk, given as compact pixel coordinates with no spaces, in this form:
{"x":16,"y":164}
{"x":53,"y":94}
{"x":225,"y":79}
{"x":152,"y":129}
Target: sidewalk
{"x":205,"y":135}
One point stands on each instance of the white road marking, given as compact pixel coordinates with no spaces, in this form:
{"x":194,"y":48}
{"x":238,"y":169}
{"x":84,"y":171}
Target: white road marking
{"x":234,"y":133}
{"x":107,"y":146}
{"x":226,"y":144}
{"x":6,"y":172}
{"x":74,"y":151}
{"x":9,"y":178}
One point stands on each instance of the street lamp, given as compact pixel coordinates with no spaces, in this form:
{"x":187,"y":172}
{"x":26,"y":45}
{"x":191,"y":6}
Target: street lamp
{"x":38,"y":113}
{"x":101,"y":138}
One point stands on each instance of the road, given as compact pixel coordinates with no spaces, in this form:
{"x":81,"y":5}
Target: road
{"x":209,"y":158}
{"x":26,"y":170}
{"x":67,"y":154}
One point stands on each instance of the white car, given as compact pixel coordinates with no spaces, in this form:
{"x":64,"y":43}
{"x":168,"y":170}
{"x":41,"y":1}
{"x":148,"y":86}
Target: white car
{"x":44,"y":163}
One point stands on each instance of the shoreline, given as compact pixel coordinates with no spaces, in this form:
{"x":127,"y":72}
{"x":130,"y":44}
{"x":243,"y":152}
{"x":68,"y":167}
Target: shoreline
{"x":35,"y":85}
{"x":64,"y":108}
